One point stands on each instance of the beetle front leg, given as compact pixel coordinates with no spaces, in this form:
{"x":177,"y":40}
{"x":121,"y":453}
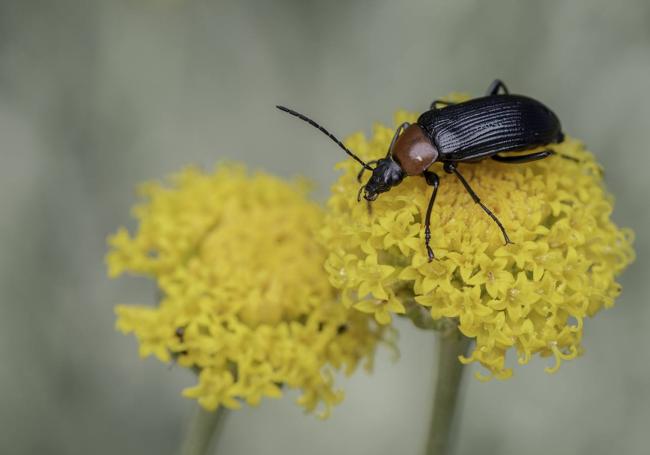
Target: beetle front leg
{"x":433,"y":180}
{"x":450,"y":168}
{"x":495,"y":86}
{"x":398,"y":131}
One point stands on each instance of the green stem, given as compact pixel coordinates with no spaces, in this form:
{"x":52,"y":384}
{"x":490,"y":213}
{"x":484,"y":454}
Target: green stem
{"x":203,"y":430}
{"x":451,"y":344}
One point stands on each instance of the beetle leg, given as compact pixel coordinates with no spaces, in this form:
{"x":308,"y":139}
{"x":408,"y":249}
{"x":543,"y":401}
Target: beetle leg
{"x":495,"y":86}
{"x":363,"y":169}
{"x":433,"y":180}
{"x":398,"y":131}
{"x":359,"y":193}
{"x":515,"y":159}
{"x":566,"y":157}
{"x":450,"y":168}
{"x":434,"y":104}
{"x":532,"y":157}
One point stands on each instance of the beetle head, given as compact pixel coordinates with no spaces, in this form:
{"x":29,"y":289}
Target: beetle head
{"x":386,"y":175}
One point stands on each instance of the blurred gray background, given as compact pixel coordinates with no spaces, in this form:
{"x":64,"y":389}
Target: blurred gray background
{"x":97,"y":96}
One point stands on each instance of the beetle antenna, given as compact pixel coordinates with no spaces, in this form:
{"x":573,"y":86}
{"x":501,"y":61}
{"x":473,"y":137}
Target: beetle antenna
{"x":327,"y":133}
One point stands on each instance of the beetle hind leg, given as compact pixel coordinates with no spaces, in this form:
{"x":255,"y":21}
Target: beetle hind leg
{"x":450,"y":168}
{"x":566,"y":157}
{"x":516,"y":159}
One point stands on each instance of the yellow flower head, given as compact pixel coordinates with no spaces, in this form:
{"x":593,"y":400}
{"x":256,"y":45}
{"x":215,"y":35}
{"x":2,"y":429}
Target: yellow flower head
{"x":531,"y":296}
{"x":244,"y":298}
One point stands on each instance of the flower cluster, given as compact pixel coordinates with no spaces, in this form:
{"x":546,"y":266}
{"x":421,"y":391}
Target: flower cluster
{"x":531,"y":296}
{"x":244,"y":300}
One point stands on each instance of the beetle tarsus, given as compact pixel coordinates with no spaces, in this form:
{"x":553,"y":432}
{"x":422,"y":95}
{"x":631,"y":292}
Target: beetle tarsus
{"x":427,"y":239}
{"x":496,"y":220}
{"x":566,"y":157}
{"x":430,"y":254}
{"x":432,"y":179}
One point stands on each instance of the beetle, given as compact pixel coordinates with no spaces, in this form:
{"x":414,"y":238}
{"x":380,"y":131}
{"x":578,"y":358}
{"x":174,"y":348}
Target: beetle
{"x":453,"y":133}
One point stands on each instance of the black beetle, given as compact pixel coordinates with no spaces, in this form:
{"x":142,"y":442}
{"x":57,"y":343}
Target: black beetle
{"x":459,"y":133}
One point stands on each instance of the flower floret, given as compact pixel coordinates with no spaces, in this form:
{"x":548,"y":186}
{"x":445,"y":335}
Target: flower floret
{"x":244,"y":299}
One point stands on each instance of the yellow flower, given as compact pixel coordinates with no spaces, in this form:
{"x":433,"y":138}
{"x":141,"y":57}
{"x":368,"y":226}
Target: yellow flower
{"x":245,"y":300}
{"x":531,"y":296}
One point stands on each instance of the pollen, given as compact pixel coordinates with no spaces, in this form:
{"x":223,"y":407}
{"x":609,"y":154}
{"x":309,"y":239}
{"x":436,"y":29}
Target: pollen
{"x":244,"y":300}
{"x":530,"y":297}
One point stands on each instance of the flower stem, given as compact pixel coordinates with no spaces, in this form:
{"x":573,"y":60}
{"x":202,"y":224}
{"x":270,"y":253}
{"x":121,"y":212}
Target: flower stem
{"x":451,"y":344}
{"x":203,"y":430}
